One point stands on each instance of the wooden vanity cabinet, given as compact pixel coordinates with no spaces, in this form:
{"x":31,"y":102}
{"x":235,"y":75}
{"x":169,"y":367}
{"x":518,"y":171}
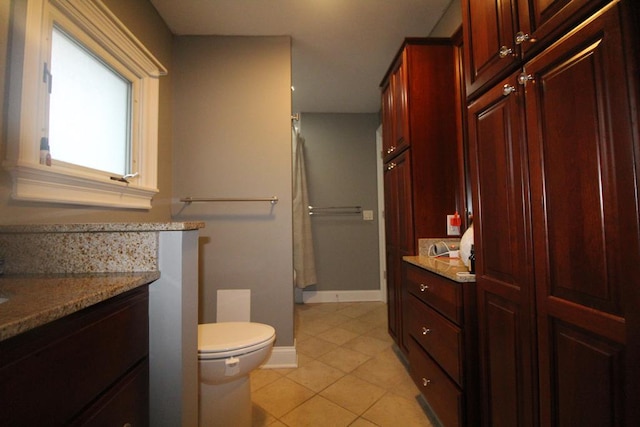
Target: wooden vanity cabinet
{"x":554,"y":167}
{"x":419,"y":155}
{"x":501,"y":33}
{"x":440,"y":328}
{"x":89,"y":368}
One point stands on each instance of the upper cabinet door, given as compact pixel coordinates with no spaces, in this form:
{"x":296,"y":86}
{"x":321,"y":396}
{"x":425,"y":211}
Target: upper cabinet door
{"x":541,"y":21}
{"x":498,"y":34}
{"x":585,"y":223}
{"x":489,"y":30}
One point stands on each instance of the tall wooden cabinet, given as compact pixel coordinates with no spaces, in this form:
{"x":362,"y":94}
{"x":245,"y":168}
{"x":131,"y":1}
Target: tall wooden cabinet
{"x":419,"y":155}
{"x":554,"y":156}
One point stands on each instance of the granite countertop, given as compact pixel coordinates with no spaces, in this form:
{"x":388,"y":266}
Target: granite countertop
{"x":101,"y":227}
{"x":444,"y":266}
{"x":34,"y":300}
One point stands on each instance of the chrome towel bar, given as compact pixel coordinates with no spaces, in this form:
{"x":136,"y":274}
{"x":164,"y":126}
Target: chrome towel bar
{"x":273,"y":199}
{"x":335,"y":210}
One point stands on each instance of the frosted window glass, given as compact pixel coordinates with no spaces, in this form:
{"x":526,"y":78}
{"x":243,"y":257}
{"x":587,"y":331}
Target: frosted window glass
{"x":89,"y":116}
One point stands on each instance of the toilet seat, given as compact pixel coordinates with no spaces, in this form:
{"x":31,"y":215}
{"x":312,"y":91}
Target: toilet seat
{"x":226,"y":339}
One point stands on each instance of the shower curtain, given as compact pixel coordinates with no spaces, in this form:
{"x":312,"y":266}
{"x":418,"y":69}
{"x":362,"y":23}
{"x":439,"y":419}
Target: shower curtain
{"x":303,"y":256}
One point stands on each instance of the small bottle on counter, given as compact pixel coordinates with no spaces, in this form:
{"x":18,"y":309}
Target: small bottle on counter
{"x":472,"y":261}
{"x":45,"y":154}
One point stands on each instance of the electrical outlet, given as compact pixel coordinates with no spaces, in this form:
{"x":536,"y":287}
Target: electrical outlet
{"x":367,"y":215}
{"x":452,"y":230}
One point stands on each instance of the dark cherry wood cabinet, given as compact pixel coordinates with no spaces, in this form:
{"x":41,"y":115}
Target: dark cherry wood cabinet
{"x":585,"y":223}
{"x":504,"y":274}
{"x":419,"y":155}
{"x":89,"y":368}
{"x":440,"y":334}
{"x":554,"y":152}
{"x":500,"y":33}
{"x":399,"y":234}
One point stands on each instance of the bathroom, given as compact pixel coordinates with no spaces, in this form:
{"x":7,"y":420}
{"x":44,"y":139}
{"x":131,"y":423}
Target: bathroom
{"x":244,"y":151}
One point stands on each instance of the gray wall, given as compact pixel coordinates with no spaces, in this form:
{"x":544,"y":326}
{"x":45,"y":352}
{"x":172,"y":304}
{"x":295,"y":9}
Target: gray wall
{"x":144,"y":22}
{"x":450,"y":21}
{"x":232,"y":139}
{"x":341,"y":171}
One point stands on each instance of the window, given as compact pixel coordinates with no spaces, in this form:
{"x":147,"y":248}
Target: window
{"x":84,"y":88}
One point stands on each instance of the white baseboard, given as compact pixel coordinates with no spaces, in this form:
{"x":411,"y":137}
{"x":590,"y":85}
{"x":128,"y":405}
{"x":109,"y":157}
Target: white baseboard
{"x":341,"y":296}
{"x":282,"y":357}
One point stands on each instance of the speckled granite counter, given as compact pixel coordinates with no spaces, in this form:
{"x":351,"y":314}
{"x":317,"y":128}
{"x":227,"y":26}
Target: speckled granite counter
{"x":444,"y":266}
{"x":34,"y":300}
{"x":83,"y":248}
{"x":52,"y":270}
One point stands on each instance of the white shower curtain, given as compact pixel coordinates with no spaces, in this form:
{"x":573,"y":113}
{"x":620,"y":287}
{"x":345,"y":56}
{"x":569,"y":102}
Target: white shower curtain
{"x":303,"y":256}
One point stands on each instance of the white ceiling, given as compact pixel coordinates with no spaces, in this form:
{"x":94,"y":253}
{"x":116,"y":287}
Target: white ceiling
{"x":341,"y":49}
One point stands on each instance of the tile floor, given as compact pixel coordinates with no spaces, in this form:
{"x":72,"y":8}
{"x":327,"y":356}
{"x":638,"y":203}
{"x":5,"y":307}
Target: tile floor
{"x":348,"y":373}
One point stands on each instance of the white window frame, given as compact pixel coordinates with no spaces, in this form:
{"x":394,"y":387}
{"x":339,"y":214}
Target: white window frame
{"x":91,"y":22}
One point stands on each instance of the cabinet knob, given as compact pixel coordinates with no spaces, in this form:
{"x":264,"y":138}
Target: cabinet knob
{"x":391,"y":149}
{"x":426,"y":382}
{"x":508,"y":89}
{"x":423,"y":287}
{"x":505,"y":51}
{"x":391,"y":166}
{"x":523,"y":78}
{"x":522,"y":37}
{"x":425,"y":330}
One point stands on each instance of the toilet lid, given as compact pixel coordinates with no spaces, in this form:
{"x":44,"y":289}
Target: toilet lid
{"x":232,"y":336}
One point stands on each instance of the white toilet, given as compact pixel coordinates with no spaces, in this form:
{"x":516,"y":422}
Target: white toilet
{"x":227,"y":353}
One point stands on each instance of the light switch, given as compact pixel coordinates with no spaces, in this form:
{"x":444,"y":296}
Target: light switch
{"x":367,"y":215}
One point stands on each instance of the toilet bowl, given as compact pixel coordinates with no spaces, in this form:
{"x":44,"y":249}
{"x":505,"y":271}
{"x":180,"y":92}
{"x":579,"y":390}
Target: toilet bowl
{"x":227,"y":353}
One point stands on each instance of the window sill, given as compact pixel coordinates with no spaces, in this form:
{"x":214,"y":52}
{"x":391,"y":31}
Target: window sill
{"x":34,"y":182}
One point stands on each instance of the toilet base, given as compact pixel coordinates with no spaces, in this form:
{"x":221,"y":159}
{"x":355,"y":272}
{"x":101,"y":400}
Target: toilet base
{"x":228,"y":404}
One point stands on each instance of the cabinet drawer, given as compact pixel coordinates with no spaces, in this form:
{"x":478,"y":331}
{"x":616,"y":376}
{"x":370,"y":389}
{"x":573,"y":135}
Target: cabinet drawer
{"x":62,"y":366}
{"x":126,"y":403}
{"x":443,"y":396}
{"x":439,"y":337}
{"x":443,"y":295}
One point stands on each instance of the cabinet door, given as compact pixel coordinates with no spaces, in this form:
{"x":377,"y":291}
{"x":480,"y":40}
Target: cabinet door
{"x":489,"y":29}
{"x":401,"y":118}
{"x":585,"y":225}
{"x":543,"y":20}
{"x":399,"y":234}
{"x":503,"y":269}
{"x":387,"y":122}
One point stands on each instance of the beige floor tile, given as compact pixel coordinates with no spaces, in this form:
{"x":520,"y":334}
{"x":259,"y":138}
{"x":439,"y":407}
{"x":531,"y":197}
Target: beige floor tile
{"x":353,"y":393}
{"x":367,"y":345}
{"x":260,"y":417}
{"x":347,"y":366}
{"x":281,"y":396}
{"x":315,"y":347}
{"x":319,"y":412}
{"x":338,"y":335}
{"x":361,"y":422}
{"x":344,"y":359}
{"x":262,"y":377}
{"x":358,"y":326}
{"x":381,"y":334}
{"x":392,"y":410}
{"x":334,"y":319}
{"x":316,"y":375}
{"x":312,"y":327}
{"x":358,"y":309}
{"x":381,"y":372}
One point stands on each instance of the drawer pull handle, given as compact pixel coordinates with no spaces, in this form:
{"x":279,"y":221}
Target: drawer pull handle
{"x":425,"y":382}
{"x":425,"y":330}
{"x":423,"y":287}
